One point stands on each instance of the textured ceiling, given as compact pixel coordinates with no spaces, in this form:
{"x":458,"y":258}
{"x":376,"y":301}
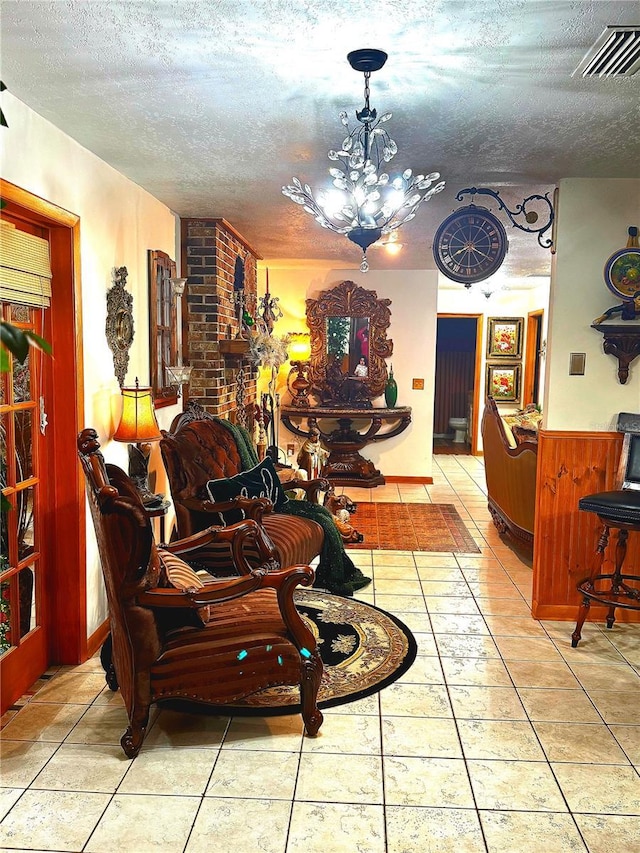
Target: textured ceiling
{"x":212,"y":106}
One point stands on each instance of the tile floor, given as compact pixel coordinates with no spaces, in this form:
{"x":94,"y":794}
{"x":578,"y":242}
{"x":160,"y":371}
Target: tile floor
{"x":499,"y":738}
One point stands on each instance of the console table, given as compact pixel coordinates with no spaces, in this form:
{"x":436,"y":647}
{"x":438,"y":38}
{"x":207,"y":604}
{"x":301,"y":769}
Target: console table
{"x":345,"y":466}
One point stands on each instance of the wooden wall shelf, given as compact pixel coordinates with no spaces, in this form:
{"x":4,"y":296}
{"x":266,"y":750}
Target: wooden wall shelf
{"x":621,"y":340}
{"x":235,"y":348}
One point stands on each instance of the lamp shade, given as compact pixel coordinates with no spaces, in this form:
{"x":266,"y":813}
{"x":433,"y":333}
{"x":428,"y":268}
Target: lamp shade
{"x":299,"y":347}
{"x":138,"y":419}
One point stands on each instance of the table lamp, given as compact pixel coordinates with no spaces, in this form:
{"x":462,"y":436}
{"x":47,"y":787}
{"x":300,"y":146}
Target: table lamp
{"x":299,"y":349}
{"x":139,"y":427}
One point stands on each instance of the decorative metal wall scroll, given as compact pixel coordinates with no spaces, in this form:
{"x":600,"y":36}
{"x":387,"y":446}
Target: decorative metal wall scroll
{"x":524,"y":209}
{"x":119,"y":326}
{"x":471,"y":243}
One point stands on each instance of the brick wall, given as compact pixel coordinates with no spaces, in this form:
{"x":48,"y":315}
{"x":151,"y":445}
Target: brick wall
{"x":209,"y":251}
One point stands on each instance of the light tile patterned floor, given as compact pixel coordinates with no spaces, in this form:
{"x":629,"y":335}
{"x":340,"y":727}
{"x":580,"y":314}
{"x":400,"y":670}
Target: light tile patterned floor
{"x":500,"y":738}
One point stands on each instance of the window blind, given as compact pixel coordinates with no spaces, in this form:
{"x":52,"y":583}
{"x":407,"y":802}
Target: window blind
{"x":25,"y":267}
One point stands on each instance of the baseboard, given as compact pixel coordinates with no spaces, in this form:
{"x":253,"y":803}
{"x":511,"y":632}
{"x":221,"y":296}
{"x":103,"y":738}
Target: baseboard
{"x":95,"y":641}
{"x":569,"y":613}
{"x":424,"y":481}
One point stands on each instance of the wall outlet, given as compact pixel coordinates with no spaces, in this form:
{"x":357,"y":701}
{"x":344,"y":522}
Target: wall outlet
{"x":418,"y":384}
{"x":291,"y":449}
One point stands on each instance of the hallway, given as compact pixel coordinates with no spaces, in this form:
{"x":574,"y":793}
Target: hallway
{"x":499,"y":738}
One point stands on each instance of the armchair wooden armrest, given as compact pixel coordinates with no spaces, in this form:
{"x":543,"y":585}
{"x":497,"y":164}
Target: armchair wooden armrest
{"x":237,"y":534}
{"x":283,"y":581}
{"x":254,"y":508}
{"x":310,"y":487}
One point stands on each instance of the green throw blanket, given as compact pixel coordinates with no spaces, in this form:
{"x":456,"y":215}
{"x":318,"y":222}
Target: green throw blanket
{"x":336,"y":571}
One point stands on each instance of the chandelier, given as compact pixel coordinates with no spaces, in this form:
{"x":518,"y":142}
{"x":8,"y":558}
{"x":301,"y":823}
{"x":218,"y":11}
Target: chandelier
{"x":365,"y":202}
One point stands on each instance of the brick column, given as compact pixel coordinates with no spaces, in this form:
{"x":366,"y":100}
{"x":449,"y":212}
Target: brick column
{"x":209,"y":251}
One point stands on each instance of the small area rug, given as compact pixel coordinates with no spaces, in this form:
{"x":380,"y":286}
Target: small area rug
{"x":363,"y":650}
{"x":411,"y":527}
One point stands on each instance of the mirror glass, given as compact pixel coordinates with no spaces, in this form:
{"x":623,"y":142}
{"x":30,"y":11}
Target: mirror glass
{"x":348,"y":343}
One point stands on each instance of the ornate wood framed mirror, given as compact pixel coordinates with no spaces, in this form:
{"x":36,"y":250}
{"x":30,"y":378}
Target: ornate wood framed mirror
{"x":349,"y":345}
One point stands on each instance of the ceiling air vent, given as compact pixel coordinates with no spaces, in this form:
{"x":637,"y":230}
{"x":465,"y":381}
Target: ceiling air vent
{"x":616,"y":53}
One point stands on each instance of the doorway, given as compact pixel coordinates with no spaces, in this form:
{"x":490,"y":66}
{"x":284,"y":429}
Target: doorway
{"x":46,"y":538}
{"x":457,"y":375}
{"x":531,"y":390}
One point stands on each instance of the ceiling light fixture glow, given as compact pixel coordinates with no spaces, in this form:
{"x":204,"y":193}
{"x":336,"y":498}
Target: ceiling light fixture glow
{"x":370,"y":203}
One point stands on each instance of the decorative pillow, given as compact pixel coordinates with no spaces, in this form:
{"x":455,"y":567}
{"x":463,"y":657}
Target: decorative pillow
{"x":181,"y":576}
{"x":527,"y":418}
{"x":260,"y":482}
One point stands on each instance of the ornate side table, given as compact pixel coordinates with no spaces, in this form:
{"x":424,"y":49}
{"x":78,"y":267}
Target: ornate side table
{"x":345,"y":465}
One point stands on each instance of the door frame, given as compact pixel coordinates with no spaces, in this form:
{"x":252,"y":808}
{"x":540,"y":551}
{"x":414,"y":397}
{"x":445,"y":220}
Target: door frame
{"x":534,"y":322}
{"x":64,"y":531}
{"x":479,"y":318}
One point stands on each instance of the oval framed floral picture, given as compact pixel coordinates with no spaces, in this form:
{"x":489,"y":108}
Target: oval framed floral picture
{"x":503,"y":382}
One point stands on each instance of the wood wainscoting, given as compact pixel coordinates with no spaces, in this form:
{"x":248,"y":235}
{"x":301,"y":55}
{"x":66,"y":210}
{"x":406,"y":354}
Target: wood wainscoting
{"x":571,"y":465}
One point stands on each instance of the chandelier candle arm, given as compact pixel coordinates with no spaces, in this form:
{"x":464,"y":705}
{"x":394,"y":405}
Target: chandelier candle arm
{"x":365,"y":201}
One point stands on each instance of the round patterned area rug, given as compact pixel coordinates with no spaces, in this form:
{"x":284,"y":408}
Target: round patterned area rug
{"x":362,"y":647}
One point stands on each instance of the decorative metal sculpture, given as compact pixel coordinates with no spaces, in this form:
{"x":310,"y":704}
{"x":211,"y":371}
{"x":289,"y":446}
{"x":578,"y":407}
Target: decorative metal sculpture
{"x":119,"y":327}
{"x":241,"y":394}
{"x":268,"y":309}
{"x":531,"y":216}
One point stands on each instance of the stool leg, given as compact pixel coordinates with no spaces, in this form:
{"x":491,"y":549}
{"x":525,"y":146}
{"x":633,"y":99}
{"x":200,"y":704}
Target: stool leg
{"x":586,"y":602}
{"x":582,"y":615}
{"x":616,"y":580}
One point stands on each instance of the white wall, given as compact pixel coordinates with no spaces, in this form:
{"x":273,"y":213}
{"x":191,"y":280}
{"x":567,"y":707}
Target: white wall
{"x":413,"y":324}
{"x":593,"y":217}
{"x":119,"y":222}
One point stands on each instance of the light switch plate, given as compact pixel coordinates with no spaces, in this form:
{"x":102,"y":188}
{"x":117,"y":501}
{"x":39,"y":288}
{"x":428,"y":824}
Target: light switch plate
{"x":577,"y":361}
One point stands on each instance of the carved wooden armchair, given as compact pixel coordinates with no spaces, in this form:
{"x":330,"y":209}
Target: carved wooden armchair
{"x":177,"y":637}
{"x":198,"y":449}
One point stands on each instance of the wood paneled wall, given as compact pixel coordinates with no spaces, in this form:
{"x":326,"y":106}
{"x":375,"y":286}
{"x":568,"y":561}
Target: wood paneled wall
{"x":571,"y":465}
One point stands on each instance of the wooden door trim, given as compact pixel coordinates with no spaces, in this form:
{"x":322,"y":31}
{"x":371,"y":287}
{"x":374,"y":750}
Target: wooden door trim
{"x":530,"y":354}
{"x":66,"y":528}
{"x":479,"y":318}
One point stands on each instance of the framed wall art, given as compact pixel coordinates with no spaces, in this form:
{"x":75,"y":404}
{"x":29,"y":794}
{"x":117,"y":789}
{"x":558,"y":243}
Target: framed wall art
{"x":503,"y":382}
{"x":504,"y":339}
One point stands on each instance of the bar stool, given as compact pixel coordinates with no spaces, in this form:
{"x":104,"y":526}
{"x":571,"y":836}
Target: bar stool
{"x":618,"y":509}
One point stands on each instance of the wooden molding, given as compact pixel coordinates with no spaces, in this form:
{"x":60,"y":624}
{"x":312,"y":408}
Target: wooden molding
{"x":569,"y":612}
{"x":65,"y":538}
{"x":419,"y":481}
{"x":98,"y":637}
{"x":39,"y":206}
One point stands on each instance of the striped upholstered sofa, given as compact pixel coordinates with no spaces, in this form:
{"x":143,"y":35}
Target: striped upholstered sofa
{"x":197,"y":449}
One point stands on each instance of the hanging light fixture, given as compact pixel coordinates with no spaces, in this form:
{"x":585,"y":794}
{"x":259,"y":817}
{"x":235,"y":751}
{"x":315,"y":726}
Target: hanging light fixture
{"x":365,"y":201}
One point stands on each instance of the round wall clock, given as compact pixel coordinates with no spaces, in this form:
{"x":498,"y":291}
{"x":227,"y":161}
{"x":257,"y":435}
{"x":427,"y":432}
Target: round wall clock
{"x":622,"y":270}
{"x":470,"y":245}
